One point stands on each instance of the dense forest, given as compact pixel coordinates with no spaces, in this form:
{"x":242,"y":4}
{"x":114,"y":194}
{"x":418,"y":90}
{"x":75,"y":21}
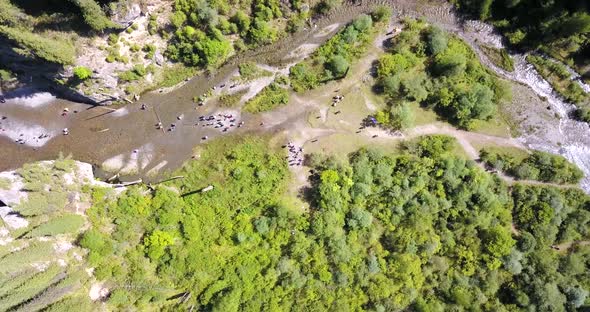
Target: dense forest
{"x":423,"y":230}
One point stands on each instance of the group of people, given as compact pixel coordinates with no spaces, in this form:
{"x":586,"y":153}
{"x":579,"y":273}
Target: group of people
{"x":223,"y":122}
{"x":336,"y":99}
{"x":295,"y":156}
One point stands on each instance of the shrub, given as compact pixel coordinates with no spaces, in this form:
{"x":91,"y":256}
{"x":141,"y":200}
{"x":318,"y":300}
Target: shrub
{"x":82,"y":72}
{"x":270,"y":97}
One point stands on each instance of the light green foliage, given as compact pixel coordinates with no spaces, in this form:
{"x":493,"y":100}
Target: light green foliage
{"x":428,"y":66}
{"x":41,"y":199}
{"x":381,"y":13}
{"x":150,"y":50}
{"x":270,"y":97}
{"x":539,"y":165}
{"x":10,"y":14}
{"x":156,"y":243}
{"x":231,"y":100}
{"x":82,"y":72}
{"x":396,"y":117}
{"x":68,"y":223}
{"x":431,"y":145}
{"x":333,"y":58}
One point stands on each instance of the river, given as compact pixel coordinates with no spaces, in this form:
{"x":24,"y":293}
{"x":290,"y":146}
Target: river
{"x":128,"y":135}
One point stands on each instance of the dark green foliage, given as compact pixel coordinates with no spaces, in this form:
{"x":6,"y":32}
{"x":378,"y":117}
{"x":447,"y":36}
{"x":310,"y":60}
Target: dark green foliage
{"x":539,"y":165}
{"x":428,"y":66}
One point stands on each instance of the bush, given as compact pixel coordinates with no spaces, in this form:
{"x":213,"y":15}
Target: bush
{"x":270,"y":97}
{"x":82,"y":72}
{"x":137,"y":72}
{"x":381,"y":14}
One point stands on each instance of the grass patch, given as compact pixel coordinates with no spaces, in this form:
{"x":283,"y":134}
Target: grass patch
{"x":499,"y":57}
{"x":348,"y":143}
{"x":250,"y":71}
{"x":175,"y":74}
{"x":495,"y":126}
{"x":270,"y":97}
{"x":31,"y":288}
{"x":233,"y":99}
{"x":514,"y":152}
{"x":422,"y":116}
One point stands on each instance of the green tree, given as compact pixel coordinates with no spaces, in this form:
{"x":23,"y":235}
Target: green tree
{"x":338,"y":65}
{"x":156,"y":243}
